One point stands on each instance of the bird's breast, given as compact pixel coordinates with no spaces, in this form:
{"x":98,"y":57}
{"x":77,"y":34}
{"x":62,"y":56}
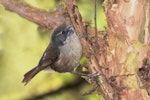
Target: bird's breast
{"x":70,"y":54}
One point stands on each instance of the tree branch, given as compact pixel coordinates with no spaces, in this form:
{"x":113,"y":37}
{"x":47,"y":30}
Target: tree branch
{"x":35,"y":15}
{"x":93,"y":62}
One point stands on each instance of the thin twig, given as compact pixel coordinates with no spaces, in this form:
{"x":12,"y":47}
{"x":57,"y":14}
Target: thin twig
{"x":95,"y":20}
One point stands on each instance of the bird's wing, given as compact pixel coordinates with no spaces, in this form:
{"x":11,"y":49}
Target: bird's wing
{"x":49,"y":57}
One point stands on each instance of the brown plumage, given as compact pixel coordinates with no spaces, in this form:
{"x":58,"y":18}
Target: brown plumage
{"x":47,"y":60}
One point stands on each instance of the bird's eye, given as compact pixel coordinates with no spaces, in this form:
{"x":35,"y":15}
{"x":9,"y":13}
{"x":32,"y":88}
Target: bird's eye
{"x":63,"y":32}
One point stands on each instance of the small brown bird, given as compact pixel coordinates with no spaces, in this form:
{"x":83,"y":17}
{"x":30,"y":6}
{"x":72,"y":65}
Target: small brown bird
{"x":62,"y":54}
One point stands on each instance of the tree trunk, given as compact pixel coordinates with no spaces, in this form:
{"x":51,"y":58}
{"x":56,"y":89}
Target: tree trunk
{"x":129,"y":37}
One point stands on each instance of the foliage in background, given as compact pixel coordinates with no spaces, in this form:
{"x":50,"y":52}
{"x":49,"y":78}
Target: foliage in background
{"x":21,"y":46}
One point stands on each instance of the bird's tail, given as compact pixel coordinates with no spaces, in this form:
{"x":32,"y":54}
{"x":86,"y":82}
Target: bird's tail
{"x":29,"y":75}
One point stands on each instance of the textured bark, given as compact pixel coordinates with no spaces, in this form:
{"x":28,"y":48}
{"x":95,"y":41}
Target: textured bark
{"x":128,"y":41}
{"x":38,"y":16}
{"x":91,"y":51}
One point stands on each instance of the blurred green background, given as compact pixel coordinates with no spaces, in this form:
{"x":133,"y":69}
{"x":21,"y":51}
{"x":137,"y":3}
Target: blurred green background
{"x":22,"y":43}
